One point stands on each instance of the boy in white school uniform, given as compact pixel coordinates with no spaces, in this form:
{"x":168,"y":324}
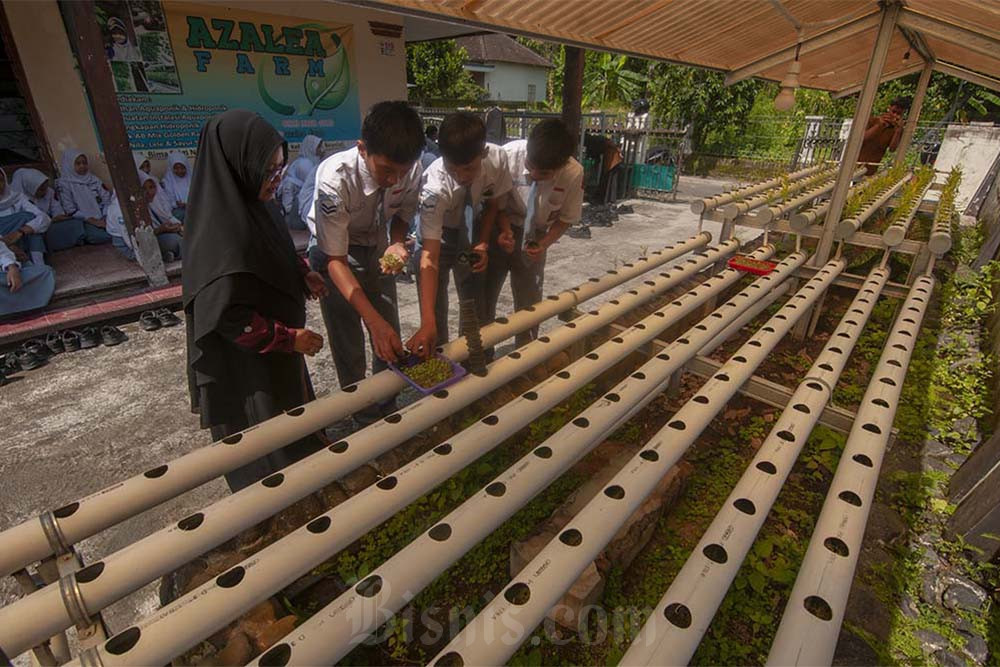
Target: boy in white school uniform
{"x":459,"y":202}
{"x":546,"y":200}
{"x":364,"y":201}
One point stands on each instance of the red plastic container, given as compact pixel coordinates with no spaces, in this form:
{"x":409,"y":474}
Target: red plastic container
{"x":758,"y":267}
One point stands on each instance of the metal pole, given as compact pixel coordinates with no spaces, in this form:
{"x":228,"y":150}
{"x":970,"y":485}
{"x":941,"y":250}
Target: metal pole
{"x":29,"y":542}
{"x":847,"y":228}
{"x":347,"y":621}
{"x":811,"y":623}
{"x":706,"y":576}
{"x":514,"y":613}
{"x":26,"y":622}
{"x":914,"y":115}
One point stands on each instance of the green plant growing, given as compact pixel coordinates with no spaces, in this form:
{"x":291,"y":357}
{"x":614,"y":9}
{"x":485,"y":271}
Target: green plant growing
{"x":430,"y":372}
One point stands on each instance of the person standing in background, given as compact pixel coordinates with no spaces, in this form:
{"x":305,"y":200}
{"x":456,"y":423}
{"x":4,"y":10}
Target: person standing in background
{"x":244,"y":292}
{"x":310,"y":155}
{"x":882,"y":134}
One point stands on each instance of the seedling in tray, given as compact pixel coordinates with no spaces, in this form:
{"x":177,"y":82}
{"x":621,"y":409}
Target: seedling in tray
{"x":427,"y":376}
{"x":758,"y":267}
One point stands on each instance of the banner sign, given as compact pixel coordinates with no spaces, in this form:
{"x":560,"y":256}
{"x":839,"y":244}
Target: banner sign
{"x":174,"y":66}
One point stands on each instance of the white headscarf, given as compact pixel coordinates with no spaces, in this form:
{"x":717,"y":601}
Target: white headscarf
{"x":27,"y":181}
{"x":139,"y":159}
{"x":161,"y":207}
{"x":12,"y":200}
{"x":67,"y":169}
{"x":159,"y":210}
{"x":85,"y":190}
{"x":10,"y":195}
{"x":308,"y":148}
{"x":176,"y":187}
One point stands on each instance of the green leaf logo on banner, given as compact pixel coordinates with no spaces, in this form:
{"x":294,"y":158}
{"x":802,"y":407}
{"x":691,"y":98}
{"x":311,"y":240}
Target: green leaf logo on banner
{"x":329,"y":91}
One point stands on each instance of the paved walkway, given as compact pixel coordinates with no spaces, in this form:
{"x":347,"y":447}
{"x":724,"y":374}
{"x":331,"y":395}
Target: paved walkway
{"x":96,"y":416}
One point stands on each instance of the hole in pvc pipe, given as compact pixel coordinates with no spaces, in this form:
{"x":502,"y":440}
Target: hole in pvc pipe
{"x":649,"y":455}
{"x":66,"y":510}
{"x":191,"y":522}
{"x":893,"y":362}
{"x":231,"y":578}
{"x":787,"y":436}
{"x":496,"y":489}
{"x":843,"y":334}
{"x":745,"y":505}
{"x":501,"y":320}
{"x":529,"y":395}
{"x":89,"y":573}
{"x":615,"y":492}
{"x":882,"y":403}
{"x":514,"y":355}
{"x":613,"y":397}
{"x":518,"y":594}
{"x":836,"y":350}
{"x":276,"y":656}
{"x":351,"y":388}
{"x":369,"y":587}
{"x":544,"y":452}
{"x":715,"y":553}
{"x":677,"y":424}
{"x":441,"y":393}
{"x":563,"y":374}
{"x":722,"y":376}
{"x":295,"y":412}
{"x":887,"y":380}
{"x":802,"y":407}
{"x":614,"y":302}
{"x":683,"y":341}
{"x":837,"y":546}
{"x":740,"y":358}
{"x":440,"y":532}
{"x":617,"y":339}
{"x":319,"y":525}
{"x":581,"y":422}
{"x":826,"y":367}
{"x":570,"y":325}
{"x":158,"y":471}
{"x":233,"y":439}
{"x":273,"y":481}
{"x":339,"y":447}
{"x":663,"y":356}
{"x":123,"y":642}
{"x":850,"y":498}
{"x":818,"y":607}
{"x":544,"y":339}
{"x":863,"y":460}
{"x":649,"y":282}
{"x":387,"y":483}
{"x":571,"y":537}
{"x":678,"y":615}
{"x":701,"y":399}
{"x":754,"y":343}
{"x":491,"y":420}
{"x":443,"y":449}
{"x":872,"y":428}
{"x":639,"y":375}
{"x":394,"y":418}
{"x":593,"y":355}
{"x":815,"y":386}
{"x":899,"y":346}
{"x":768,"y":467}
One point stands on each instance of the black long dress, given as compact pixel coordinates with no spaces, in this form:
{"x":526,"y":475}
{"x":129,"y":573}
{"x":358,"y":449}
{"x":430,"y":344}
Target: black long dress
{"x":244,"y":289}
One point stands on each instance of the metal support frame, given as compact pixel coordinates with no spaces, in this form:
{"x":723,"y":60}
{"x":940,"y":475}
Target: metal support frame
{"x":968,"y":75}
{"x":349,"y":619}
{"x":805,"y":46}
{"x":969,"y":39}
{"x":916,"y":106}
{"x":891,"y":76}
{"x":810,"y":626}
{"x":30,"y":620}
{"x":522,"y":605}
{"x":700,"y":586}
{"x":27,"y":542}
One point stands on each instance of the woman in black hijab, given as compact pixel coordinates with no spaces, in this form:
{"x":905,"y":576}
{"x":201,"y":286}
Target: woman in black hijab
{"x":245,"y":290}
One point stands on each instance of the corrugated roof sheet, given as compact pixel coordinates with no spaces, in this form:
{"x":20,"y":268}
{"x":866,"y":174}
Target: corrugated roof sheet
{"x":494,"y":47}
{"x":728,"y":34}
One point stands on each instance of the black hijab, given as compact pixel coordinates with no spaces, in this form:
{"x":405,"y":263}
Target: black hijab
{"x":228,"y":229}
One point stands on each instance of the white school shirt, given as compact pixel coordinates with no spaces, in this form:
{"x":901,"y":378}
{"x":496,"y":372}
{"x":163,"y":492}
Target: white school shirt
{"x":343,"y":210}
{"x":559,"y":199}
{"x":19,"y":203}
{"x":442,"y":199}
{"x":7,"y":258}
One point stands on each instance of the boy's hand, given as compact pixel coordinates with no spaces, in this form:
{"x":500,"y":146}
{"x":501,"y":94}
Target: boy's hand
{"x":423,"y":342}
{"x":482,"y":257}
{"x":13,"y":278}
{"x":306,"y":342}
{"x":506,"y":241}
{"x":316,"y":285}
{"x":13,"y":237}
{"x":399,"y":252}
{"x":387,"y":344}
{"x":534,"y":250}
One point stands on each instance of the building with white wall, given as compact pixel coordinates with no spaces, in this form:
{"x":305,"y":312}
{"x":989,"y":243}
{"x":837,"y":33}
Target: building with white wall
{"x":509,"y":71}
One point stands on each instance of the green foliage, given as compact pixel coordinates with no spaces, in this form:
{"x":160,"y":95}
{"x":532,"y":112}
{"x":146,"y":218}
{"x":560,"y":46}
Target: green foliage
{"x":610,"y":82}
{"x":436,"y":71}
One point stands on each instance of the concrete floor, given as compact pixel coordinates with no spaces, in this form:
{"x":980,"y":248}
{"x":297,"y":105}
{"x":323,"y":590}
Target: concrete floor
{"x":93,"y":417}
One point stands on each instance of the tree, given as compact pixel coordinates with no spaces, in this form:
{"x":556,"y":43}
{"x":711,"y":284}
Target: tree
{"x":436,"y":71}
{"x":612,"y":82}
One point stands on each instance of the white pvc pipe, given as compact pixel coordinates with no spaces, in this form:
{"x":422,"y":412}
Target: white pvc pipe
{"x":896,"y":232}
{"x":765,"y":215}
{"x":711,"y":203}
{"x":709,"y":571}
{"x":847,"y":228}
{"x":802,"y":220}
{"x":493,"y":636}
{"x":26,"y":543}
{"x":738,"y":208}
{"x":810,"y":626}
{"x":30,"y":620}
{"x":345,"y":622}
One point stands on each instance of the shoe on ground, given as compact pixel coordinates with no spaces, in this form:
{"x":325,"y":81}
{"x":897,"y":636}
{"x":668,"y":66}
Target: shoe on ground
{"x":112,"y":336}
{"x":71,"y":340}
{"x":149,"y":321}
{"x":578,"y":232}
{"x":54,"y":342}
{"x":28,"y":360}
{"x":90,"y":337}
{"x":167,"y":317}
{"x":36,"y":347}
{"x":10,"y":364}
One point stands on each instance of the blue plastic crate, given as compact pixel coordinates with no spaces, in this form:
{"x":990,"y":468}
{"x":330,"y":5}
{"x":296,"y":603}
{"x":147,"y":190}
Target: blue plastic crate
{"x":655,"y":177}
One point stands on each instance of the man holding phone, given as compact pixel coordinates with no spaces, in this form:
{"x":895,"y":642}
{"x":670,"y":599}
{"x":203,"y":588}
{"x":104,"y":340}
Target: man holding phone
{"x":882,"y":133}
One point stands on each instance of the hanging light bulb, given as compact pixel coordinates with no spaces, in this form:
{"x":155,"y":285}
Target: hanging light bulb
{"x":786,"y":96}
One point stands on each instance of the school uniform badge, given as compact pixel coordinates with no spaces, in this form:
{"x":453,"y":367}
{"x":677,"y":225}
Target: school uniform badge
{"x":329,"y":203}
{"x":428,"y":200}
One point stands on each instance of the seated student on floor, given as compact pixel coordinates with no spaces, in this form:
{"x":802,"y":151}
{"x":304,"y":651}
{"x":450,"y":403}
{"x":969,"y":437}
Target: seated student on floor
{"x":142,"y":163}
{"x":21,"y":222}
{"x":310,"y":155}
{"x":83,"y":196}
{"x":167,"y":228}
{"x":546,"y":200}
{"x":64,"y":231}
{"x":459,"y":202}
{"x":177,"y":182}
{"x":23,"y":287}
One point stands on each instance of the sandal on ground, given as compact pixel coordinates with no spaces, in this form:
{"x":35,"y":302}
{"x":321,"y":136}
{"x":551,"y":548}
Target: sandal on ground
{"x":167,"y":317}
{"x":54,"y":342}
{"x":112,"y":336}
{"x":28,"y":360}
{"x":149,"y":321}
{"x":89,"y":338}
{"x":71,"y":340}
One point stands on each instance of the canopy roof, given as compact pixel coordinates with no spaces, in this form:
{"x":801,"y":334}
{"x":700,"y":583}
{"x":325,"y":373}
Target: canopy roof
{"x":751,"y":37}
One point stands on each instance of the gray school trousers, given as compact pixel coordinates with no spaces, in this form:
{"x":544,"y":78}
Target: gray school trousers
{"x":526,"y":280}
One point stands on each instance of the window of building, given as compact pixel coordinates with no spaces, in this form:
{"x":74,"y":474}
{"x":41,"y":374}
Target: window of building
{"x":531,"y":93}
